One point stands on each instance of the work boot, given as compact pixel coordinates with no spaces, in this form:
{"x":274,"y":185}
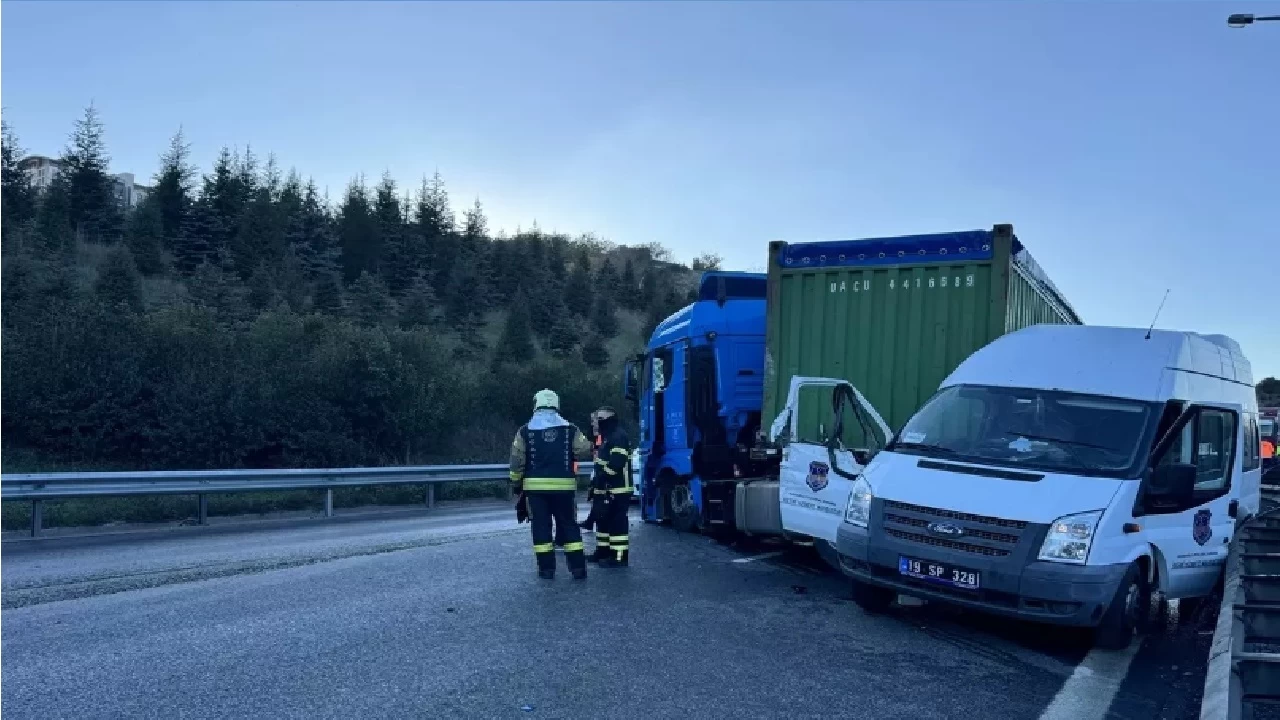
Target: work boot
{"x":547,"y":574}
{"x":579,"y":573}
{"x":598,"y":555}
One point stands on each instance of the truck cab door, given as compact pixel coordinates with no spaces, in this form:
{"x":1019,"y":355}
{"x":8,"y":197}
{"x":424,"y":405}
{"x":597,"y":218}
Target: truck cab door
{"x":1192,"y":526}
{"x":829,"y":432}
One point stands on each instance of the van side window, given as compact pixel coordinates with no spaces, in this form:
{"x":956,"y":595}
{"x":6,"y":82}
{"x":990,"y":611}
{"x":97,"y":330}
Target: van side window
{"x":1208,"y":442}
{"x":1252,"y":457}
{"x":1215,"y":449}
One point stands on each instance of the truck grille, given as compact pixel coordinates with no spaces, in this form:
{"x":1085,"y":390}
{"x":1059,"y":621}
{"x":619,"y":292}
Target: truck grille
{"x":982,"y":534}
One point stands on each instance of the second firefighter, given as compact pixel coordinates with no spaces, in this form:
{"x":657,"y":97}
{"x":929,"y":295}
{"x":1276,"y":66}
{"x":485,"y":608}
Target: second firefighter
{"x":612,"y":484}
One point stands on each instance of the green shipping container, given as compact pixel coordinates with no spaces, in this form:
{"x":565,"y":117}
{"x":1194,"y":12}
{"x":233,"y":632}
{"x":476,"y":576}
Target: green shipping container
{"x":894,"y":316}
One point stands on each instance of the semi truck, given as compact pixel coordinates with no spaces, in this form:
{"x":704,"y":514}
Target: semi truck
{"x":698,"y":388}
{"x":858,"y":334}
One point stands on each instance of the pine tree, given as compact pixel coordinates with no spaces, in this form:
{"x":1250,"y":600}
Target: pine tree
{"x":93,"y":209}
{"x":291,"y":283}
{"x":328,"y":298}
{"x":55,"y":235}
{"x":119,"y":286}
{"x":563,"y":339}
{"x":17,"y":197}
{"x":607,"y":282}
{"x":260,"y":239}
{"x":651,"y":291}
{"x":309,"y":231}
{"x":262,"y":291}
{"x":629,"y":287}
{"x":370,"y":301}
{"x":604,"y":318}
{"x":173,"y":193}
{"x":399,"y":267}
{"x":358,"y":233}
{"x":516,"y":342}
{"x":215,"y":219}
{"x":145,"y":236}
{"x":557,"y":264}
{"x":435,"y":243}
{"x":594,"y":353}
{"x":196,"y":241}
{"x":577,"y":292}
{"x":419,"y":307}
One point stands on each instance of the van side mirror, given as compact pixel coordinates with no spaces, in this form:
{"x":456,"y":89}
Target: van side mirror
{"x":1172,"y":485}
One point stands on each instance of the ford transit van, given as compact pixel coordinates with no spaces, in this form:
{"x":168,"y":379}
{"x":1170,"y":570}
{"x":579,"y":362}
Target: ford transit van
{"x":1062,"y":474}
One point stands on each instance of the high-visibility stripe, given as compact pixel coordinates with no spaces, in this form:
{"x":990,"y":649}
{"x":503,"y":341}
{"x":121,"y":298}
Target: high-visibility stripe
{"x":602,"y":536}
{"x":620,"y":539}
{"x":573,"y":546}
{"x":516,"y":477}
{"x":620,"y":490}
{"x":550,"y":484}
{"x":543,"y":547}
{"x":621,"y":450}
{"x":604,"y":465}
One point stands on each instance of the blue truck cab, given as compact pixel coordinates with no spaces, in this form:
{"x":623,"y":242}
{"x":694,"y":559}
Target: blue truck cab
{"x":698,"y":390}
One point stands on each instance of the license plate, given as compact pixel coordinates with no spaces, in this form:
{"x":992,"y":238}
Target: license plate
{"x":941,"y":573}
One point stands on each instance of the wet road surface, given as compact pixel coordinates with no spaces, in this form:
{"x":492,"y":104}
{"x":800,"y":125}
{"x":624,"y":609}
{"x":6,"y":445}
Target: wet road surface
{"x":440,"y":615}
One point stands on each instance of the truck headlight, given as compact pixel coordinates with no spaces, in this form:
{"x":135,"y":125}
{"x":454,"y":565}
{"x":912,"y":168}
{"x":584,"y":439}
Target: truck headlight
{"x":1070,"y":537}
{"x":858,"y":510}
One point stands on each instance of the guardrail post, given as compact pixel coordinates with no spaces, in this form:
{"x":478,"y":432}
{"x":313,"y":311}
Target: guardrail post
{"x":431,"y":495}
{"x":202,"y":514}
{"x":37,"y":517}
{"x":328,"y":502}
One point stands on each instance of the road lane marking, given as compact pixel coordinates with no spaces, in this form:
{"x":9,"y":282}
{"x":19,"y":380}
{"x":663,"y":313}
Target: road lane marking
{"x":762,"y":556}
{"x":1093,"y":685}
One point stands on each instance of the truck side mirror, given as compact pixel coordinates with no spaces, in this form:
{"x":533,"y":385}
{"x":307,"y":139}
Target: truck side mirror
{"x":1172,"y":486}
{"x":629,"y":376}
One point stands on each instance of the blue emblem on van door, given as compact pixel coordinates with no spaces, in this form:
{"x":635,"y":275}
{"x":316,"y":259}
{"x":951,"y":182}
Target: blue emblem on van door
{"x":1201,"y":530}
{"x":817,"y":479}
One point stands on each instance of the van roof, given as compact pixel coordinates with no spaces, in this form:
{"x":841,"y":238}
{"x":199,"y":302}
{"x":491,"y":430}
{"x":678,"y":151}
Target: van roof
{"x":1119,"y":362}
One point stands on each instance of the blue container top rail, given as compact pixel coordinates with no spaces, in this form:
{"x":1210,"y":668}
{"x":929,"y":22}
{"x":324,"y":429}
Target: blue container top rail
{"x":933,"y":248}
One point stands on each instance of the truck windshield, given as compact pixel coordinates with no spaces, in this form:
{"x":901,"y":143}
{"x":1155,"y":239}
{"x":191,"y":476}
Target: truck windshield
{"x":1267,"y":428}
{"x":1021,"y":427}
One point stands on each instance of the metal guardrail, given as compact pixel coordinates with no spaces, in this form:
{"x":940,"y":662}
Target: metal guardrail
{"x":1244,"y":659}
{"x":61,"y":486}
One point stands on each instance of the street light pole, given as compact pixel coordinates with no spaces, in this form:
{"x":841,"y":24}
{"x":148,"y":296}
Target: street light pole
{"x":1240,"y":20}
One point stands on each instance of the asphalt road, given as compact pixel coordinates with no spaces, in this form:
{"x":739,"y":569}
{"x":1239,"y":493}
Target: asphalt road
{"x":441,"y":615}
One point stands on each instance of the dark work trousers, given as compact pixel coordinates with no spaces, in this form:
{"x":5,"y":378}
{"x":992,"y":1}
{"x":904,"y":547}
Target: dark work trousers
{"x":560,"y":506}
{"x":616,"y":524}
{"x":597,"y":517}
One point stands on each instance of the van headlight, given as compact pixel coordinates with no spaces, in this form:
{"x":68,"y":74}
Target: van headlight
{"x":858,"y":510}
{"x":1070,"y":537}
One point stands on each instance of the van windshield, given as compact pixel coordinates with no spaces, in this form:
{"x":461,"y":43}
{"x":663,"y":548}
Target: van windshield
{"x":1266,"y":428}
{"x":1022,"y":427}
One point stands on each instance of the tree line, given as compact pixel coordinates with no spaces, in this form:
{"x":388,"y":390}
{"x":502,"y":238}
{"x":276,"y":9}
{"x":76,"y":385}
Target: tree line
{"x":239,"y":318}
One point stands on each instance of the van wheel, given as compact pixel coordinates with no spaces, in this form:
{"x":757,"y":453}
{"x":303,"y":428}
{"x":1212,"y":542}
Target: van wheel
{"x":1128,"y":613}
{"x":872,"y":598}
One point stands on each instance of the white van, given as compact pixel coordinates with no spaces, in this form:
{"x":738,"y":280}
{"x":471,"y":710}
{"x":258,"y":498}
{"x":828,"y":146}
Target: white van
{"x":1061,"y":474}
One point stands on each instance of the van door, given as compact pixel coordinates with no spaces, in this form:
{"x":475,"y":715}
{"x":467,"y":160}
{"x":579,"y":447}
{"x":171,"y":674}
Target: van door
{"x":1192,"y":536}
{"x":825,"y":421}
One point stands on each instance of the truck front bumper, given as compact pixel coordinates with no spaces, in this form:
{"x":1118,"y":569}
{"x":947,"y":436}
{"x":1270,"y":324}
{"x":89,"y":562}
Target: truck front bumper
{"x":1048,"y":592}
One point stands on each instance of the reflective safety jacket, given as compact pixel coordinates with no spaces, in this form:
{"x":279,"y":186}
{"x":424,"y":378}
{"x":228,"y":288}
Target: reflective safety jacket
{"x":543,"y":459}
{"x":613,"y":464}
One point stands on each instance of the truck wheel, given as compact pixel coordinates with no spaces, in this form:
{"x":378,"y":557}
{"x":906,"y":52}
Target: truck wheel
{"x":684,"y":514}
{"x":872,"y":598}
{"x":1127,"y":613}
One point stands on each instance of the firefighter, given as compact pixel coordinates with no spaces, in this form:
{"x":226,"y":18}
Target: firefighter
{"x":542,"y":470}
{"x":612,"y":482}
{"x":596,"y":501}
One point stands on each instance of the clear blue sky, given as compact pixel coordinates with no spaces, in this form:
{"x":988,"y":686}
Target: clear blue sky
{"x":1134,"y":146}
